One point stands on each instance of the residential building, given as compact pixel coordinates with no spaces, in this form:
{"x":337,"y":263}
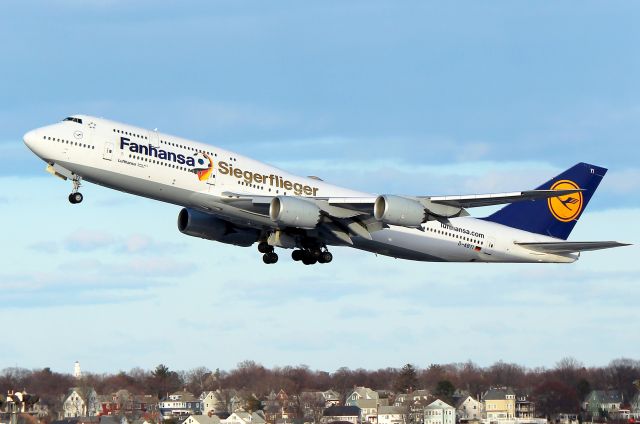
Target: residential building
{"x":127,"y":404}
{"x":349,"y":414}
{"x":277,"y":406}
{"x":202,"y":419}
{"x":499,"y":404}
{"x":524,"y":407}
{"x":414,"y":403}
{"x":213,"y":401}
{"x":331,"y":397}
{"x":468,"y":408}
{"x":179,"y":404}
{"x":78,"y":420}
{"x":635,"y":406}
{"x":564,"y":418}
{"x":107,"y":419}
{"x":361,"y":393}
{"x":368,"y":401}
{"x":236,"y":402}
{"x":391,"y":415}
{"x":243,"y":417}
{"x":439,"y":412}
{"x":314,"y":403}
{"x":80,"y":403}
{"x":602,"y":403}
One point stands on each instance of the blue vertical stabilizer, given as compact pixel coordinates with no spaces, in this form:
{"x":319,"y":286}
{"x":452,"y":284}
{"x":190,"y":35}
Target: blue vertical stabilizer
{"x":556,"y":216}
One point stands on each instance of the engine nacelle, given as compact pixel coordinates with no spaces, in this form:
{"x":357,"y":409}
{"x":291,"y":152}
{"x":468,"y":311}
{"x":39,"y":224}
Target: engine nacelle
{"x":200,"y":224}
{"x":294,"y":212}
{"x":396,"y":210}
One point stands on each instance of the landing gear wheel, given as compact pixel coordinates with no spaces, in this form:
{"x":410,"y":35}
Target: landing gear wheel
{"x":75,"y":198}
{"x":264,"y":247}
{"x":270,"y":258}
{"x":315,"y":253}
{"x":308,"y":259}
{"x":297,"y":255}
{"x":325,"y":257}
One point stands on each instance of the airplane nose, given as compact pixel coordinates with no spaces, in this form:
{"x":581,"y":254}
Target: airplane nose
{"x":30,"y":138}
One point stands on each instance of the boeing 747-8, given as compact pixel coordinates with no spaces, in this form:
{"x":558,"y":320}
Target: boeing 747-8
{"x":230,"y":198}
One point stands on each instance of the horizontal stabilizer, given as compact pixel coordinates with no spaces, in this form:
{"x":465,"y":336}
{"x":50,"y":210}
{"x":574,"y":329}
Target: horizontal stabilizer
{"x":479,"y":200}
{"x":570,"y":246}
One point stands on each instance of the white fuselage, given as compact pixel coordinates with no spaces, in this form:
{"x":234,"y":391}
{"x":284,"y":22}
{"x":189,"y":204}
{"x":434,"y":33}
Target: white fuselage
{"x":160,"y":166}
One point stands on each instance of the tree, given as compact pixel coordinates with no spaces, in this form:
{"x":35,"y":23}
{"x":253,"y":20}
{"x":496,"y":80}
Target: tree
{"x":253,"y":404}
{"x":554,"y":397}
{"x":445,"y":391}
{"x":198,"y":380}
{"x":583,"y":388}
{"x":163,"y":380}
{"x":407,"y":380}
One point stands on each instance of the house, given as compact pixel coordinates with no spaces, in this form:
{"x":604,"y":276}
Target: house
{"x":277,"y":406}
{"x":391,"y":415}
{"x":331,"y":397}
{"x":106,"y":419}
{"x":361,"y":393}
{"x":202,"y":419}
{"x":635,"y":406}
{"x":524,"y":407}
{"x":602,"y":403}
{"x":236,"y":403}
{"x":468,"y":408}
{"x":368,"y":401}
{"x":243,"y":417}
{"x":499,"y":404}
{"x":565,"y":418}
{"x":345,"y":414}
{"x":414,"y":403}
{"x":313,"y":404}
{"x":78,"y":420}
{"x":124,"y":403}
{"x":179,"y":404}
{"x":80,"y":403}
{"x":439,"y":412}
{"x":213,"y":401}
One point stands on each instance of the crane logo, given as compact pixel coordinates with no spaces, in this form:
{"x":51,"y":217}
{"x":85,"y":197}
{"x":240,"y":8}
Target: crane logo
{"x":204,"y":167}
{"x":566,"y":208}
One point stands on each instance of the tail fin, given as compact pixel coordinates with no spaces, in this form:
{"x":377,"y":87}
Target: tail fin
{"x":555,"y":216}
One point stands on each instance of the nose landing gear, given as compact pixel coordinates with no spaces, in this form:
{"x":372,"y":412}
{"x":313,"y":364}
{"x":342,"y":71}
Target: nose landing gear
{"x":75,"y":196}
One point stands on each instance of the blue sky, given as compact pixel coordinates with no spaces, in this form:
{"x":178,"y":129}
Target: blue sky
{"x":412,"y":97}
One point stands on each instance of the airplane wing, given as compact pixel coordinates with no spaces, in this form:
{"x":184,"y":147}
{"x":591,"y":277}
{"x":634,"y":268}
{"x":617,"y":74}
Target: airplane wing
{"x":570,"y":246}
{"x":345,"y":217}
{"x":459,"y":201}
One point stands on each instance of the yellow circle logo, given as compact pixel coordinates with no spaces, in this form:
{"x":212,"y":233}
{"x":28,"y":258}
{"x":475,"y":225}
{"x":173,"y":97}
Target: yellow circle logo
{"x":565,"y":208}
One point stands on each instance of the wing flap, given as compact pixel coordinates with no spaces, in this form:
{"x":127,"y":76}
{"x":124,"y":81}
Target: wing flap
{"x":569,"y":246}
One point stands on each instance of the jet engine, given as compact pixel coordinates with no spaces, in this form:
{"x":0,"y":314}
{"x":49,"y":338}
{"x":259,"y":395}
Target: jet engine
{"x":200,"y":224}
{"x":396,"y":210}
{"x":294,"y":212}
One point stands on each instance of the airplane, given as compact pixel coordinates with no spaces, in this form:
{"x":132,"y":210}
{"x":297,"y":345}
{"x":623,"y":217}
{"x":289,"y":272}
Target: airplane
{"x":233,"y":199}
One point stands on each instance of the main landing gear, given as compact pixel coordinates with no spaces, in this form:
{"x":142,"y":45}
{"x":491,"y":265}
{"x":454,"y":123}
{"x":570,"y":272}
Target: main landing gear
{"x":269,"y":256}
{"x":312,"y":256}
{"x":75,"y":196}
{"x":308,"y":256}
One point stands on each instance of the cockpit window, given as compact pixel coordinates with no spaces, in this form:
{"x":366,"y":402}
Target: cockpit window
{"x":71,"y":118}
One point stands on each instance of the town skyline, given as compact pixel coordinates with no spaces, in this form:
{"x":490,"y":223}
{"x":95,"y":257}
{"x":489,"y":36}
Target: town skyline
{"x":440,"y":394}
